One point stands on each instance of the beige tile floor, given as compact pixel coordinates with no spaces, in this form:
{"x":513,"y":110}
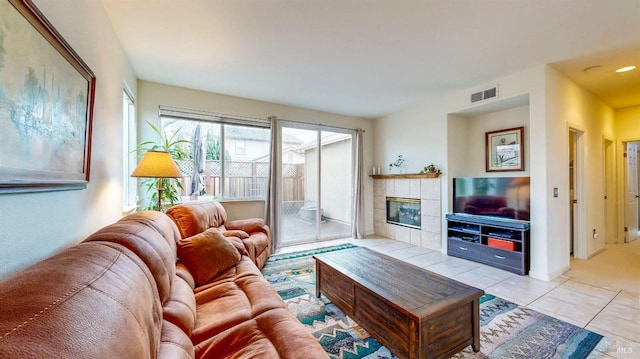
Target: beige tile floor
{"x":616,"y":267}
{"x":595,"y":294}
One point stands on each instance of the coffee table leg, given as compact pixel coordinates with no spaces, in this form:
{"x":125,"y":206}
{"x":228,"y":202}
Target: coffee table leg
{"x":317,"y":279}
{"x":476,"y":325}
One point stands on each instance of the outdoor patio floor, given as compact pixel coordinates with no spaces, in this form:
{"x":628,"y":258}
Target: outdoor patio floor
{"x":295,"y":230}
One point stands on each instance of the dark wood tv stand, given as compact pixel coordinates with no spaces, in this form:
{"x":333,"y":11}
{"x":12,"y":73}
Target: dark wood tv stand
{"x":480,"y":238}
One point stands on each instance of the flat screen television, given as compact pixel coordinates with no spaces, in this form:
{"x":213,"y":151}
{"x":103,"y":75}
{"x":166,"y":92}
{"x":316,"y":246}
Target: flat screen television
{"x":506,"y":197}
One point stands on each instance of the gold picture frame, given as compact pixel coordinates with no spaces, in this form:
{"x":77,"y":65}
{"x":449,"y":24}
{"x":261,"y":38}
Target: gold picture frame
{"x":505,"y":150}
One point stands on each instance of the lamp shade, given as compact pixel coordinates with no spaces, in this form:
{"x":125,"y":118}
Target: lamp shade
{"x":157,"y":164}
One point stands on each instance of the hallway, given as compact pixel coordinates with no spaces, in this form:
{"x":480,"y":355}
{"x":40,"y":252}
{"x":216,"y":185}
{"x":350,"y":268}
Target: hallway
{"x":616,"y":267}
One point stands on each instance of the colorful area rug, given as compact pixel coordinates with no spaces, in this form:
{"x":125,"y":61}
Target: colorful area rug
{"x":507,"y":330}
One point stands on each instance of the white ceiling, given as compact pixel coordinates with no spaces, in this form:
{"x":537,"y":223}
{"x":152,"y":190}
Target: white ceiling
{"x":370,"y":58}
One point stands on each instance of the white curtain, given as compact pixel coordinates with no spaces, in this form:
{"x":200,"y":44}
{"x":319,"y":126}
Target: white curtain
{"x":273,"y":193}
{"x":357,"y":228}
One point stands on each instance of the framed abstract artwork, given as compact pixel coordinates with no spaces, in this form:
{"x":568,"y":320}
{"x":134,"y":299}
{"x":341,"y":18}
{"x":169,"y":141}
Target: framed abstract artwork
{"x":46,"y":105}
{"x":505,"y":150}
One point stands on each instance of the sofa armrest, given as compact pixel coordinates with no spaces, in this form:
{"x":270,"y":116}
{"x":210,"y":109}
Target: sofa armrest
{"x":248,"y":225}
{"x":258,"y":242}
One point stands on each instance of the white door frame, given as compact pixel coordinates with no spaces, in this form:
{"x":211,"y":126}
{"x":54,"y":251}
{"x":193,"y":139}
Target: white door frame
{"x":580,"y":214}
{"x":609,"y":189}
{"x":318,"y":128}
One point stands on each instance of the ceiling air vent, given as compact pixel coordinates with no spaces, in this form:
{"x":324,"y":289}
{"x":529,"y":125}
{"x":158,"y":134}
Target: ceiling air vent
{"x":475,"y":97}
{"x":484,"y":95}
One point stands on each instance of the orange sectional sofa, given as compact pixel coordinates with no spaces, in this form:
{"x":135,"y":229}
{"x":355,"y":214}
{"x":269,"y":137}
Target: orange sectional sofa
{"x":124,"y":293}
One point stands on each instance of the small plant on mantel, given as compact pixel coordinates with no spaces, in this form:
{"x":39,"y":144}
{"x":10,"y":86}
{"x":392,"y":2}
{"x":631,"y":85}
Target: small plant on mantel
{"x":398,"y":163}
{"x":432,"y":170}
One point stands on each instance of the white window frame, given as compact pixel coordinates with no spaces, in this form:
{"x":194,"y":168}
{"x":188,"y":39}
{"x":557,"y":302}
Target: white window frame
{"x":222,"y":119}
{"x":129,"y":136}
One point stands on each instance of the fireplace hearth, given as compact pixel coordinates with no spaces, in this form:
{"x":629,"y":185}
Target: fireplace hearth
{"x":404,"y":212}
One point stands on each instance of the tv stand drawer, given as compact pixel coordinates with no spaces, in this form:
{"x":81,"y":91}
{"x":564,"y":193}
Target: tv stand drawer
{"x":464,"y":249}
{"x":502,"y":258}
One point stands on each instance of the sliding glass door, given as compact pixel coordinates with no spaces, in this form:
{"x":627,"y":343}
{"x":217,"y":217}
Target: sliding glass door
{"x":336,"y":184}
{"x":316,"y":183}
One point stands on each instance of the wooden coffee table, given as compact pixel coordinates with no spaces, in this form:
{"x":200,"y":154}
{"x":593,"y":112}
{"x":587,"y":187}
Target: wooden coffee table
{"x":411,"y":311}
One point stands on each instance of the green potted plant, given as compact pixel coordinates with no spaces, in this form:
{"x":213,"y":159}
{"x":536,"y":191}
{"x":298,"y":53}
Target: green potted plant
{"x":431,"y":169}
{"x":170,"y":187}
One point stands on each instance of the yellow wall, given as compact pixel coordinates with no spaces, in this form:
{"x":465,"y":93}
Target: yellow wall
{"x":627,"y":123}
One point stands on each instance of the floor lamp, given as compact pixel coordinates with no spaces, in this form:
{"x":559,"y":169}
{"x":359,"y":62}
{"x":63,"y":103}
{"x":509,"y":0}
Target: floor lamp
{"x":157,"y":164}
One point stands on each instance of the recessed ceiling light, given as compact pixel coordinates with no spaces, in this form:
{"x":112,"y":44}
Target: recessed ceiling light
{"x":591,"y":68}
{"x":626,"y":68}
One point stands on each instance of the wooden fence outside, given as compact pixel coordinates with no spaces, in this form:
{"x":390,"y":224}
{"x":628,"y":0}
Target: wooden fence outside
{"x":244,"y":179}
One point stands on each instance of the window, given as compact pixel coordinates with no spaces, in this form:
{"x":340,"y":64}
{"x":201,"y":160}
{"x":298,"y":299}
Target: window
{"x":128,"y":144}
{"x":236,"y":153}
{"x":240,"y":146}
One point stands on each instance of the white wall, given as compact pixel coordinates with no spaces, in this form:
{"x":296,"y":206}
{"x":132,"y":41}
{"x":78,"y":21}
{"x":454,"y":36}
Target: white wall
{"x":434,"y":128}
{"x":439,"y":123}
{"x":417,"y":133}
{"x":36,"y":225}
{"x":473,"y":136}
{"x":152,"y":95}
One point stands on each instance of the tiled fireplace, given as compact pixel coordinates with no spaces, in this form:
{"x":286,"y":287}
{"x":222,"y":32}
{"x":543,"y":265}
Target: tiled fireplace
{"x":404,"y":212}
{"x":420,"y":191}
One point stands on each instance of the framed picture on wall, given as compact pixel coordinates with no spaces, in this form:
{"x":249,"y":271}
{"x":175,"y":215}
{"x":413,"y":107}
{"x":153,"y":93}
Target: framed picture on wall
{"x":46,"y":105}
{"x":505,"y":150}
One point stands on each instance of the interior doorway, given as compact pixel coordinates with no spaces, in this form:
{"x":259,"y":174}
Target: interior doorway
{"x":631,"y":192}
{"x":577,"y":214}
{"x":572,"y":190}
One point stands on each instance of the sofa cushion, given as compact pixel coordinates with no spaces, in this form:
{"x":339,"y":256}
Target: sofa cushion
{"x":262,"y":258}
{"x":93,"y":300}
{"x":236,"y":295}
{"x":174,"y":343}
{"x":207,"y":254}
{"x":196,"y":217}
{"x":180,"y":308}
{"x":183,"y":272}
{"x":273,"y":334}
{"x":152,"y":237}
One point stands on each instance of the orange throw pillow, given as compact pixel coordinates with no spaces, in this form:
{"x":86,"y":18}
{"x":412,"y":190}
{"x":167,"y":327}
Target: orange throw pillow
{"x":207,"y":254}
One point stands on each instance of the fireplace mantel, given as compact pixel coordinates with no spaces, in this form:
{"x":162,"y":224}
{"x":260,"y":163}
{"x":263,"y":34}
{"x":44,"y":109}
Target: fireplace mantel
{"x":406,"y":175}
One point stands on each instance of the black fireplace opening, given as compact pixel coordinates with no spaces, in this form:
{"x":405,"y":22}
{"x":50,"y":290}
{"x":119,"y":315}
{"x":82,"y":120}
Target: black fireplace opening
{"x":404,"y":212}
